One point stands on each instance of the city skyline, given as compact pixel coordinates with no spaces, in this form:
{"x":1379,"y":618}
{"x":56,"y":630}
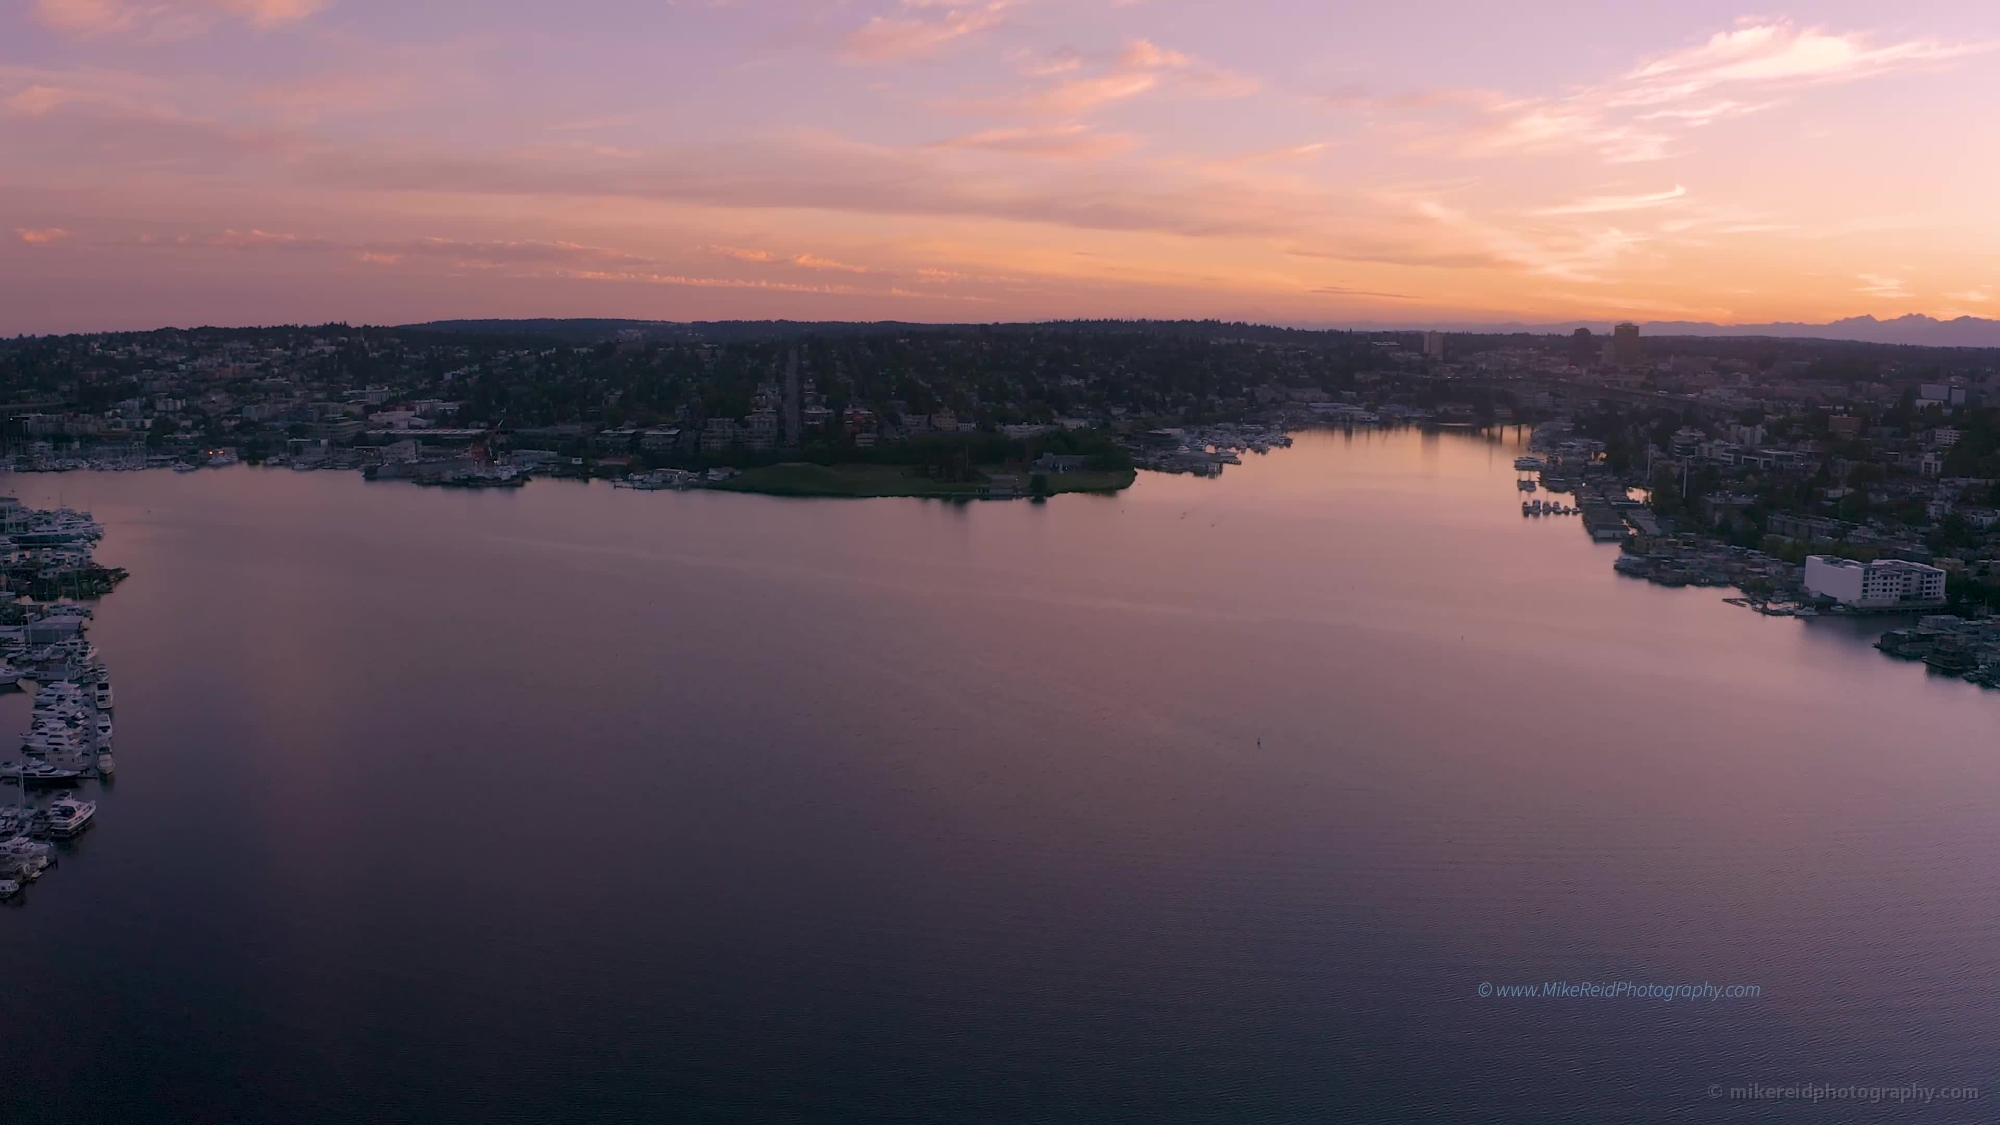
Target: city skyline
{"x":238,"y":161}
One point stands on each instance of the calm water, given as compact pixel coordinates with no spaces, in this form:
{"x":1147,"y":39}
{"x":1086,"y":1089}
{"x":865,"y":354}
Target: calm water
{"x":1215,"y":801}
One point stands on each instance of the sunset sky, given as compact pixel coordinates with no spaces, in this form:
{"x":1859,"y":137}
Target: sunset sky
{"x":385,"y":161}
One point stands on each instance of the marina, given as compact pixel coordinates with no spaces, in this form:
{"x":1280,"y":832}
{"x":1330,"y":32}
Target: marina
{"x":67,"y":745}
{"x":1204,"y":450}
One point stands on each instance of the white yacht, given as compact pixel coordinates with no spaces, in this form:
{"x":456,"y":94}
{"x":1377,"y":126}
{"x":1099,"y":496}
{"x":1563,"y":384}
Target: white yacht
{"x":9,"y":674}
{"x":106,"y":765}
{"x":70,"y":816}
{"x":101,"y":692}
{"x":8,"y":889}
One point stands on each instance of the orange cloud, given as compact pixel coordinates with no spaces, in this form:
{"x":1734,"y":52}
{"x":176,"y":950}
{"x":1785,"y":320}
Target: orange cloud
{"x":166,"y":18}
{"x":41,"y":237}
{"x":1605,"y":204}
{"x":743,"y":255}
{"x":815,"y":262}
{"x":804,"y":261}
{"x":1140,"y":68}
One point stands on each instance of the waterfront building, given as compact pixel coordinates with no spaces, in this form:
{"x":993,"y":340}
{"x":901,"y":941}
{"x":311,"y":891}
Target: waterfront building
{"x":1882,"y":584}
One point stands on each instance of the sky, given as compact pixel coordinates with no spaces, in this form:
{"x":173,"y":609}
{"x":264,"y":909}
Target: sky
{"x":180,"y":162}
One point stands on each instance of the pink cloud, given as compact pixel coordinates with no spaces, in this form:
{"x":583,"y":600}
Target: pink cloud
{"x":1141,"y":54}
{"x":1059,"y":142}
{"x":36,"y":101}
{"x":893,"y":38}
{"x":1645,"y":113}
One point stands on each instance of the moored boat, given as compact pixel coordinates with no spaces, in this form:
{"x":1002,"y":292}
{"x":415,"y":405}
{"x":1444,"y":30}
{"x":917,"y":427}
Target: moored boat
{"x":70,"y":816}
{"x":41,"y":775}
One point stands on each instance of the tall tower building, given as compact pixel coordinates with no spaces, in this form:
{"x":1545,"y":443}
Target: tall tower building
{"x":1625,"y":345}
{"x":1582,"y":348}
{"x":1434,"y":345}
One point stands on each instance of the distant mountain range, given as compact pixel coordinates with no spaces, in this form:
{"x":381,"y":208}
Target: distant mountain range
{"x":1915,"y":329}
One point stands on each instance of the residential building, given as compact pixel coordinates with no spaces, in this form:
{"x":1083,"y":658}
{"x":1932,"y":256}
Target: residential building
{"x":1687,"y":441}
{"x":718,"y":434}
{"x":761,"y":432}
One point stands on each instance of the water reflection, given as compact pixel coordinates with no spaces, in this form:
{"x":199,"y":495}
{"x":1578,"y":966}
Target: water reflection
{"x":1215,"y":800}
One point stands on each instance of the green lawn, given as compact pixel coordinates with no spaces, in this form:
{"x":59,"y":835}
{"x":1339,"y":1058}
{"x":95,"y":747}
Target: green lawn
{"x":802,"y":479}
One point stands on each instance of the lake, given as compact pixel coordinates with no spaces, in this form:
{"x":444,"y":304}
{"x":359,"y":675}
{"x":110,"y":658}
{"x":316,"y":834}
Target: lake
{"x":1216,"y":800}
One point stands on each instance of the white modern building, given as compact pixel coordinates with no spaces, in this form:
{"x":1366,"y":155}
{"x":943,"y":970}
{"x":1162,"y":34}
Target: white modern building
{"x":1882,"y":584}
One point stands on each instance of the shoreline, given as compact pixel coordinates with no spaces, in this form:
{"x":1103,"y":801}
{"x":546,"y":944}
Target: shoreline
{"x":864,"y":480}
